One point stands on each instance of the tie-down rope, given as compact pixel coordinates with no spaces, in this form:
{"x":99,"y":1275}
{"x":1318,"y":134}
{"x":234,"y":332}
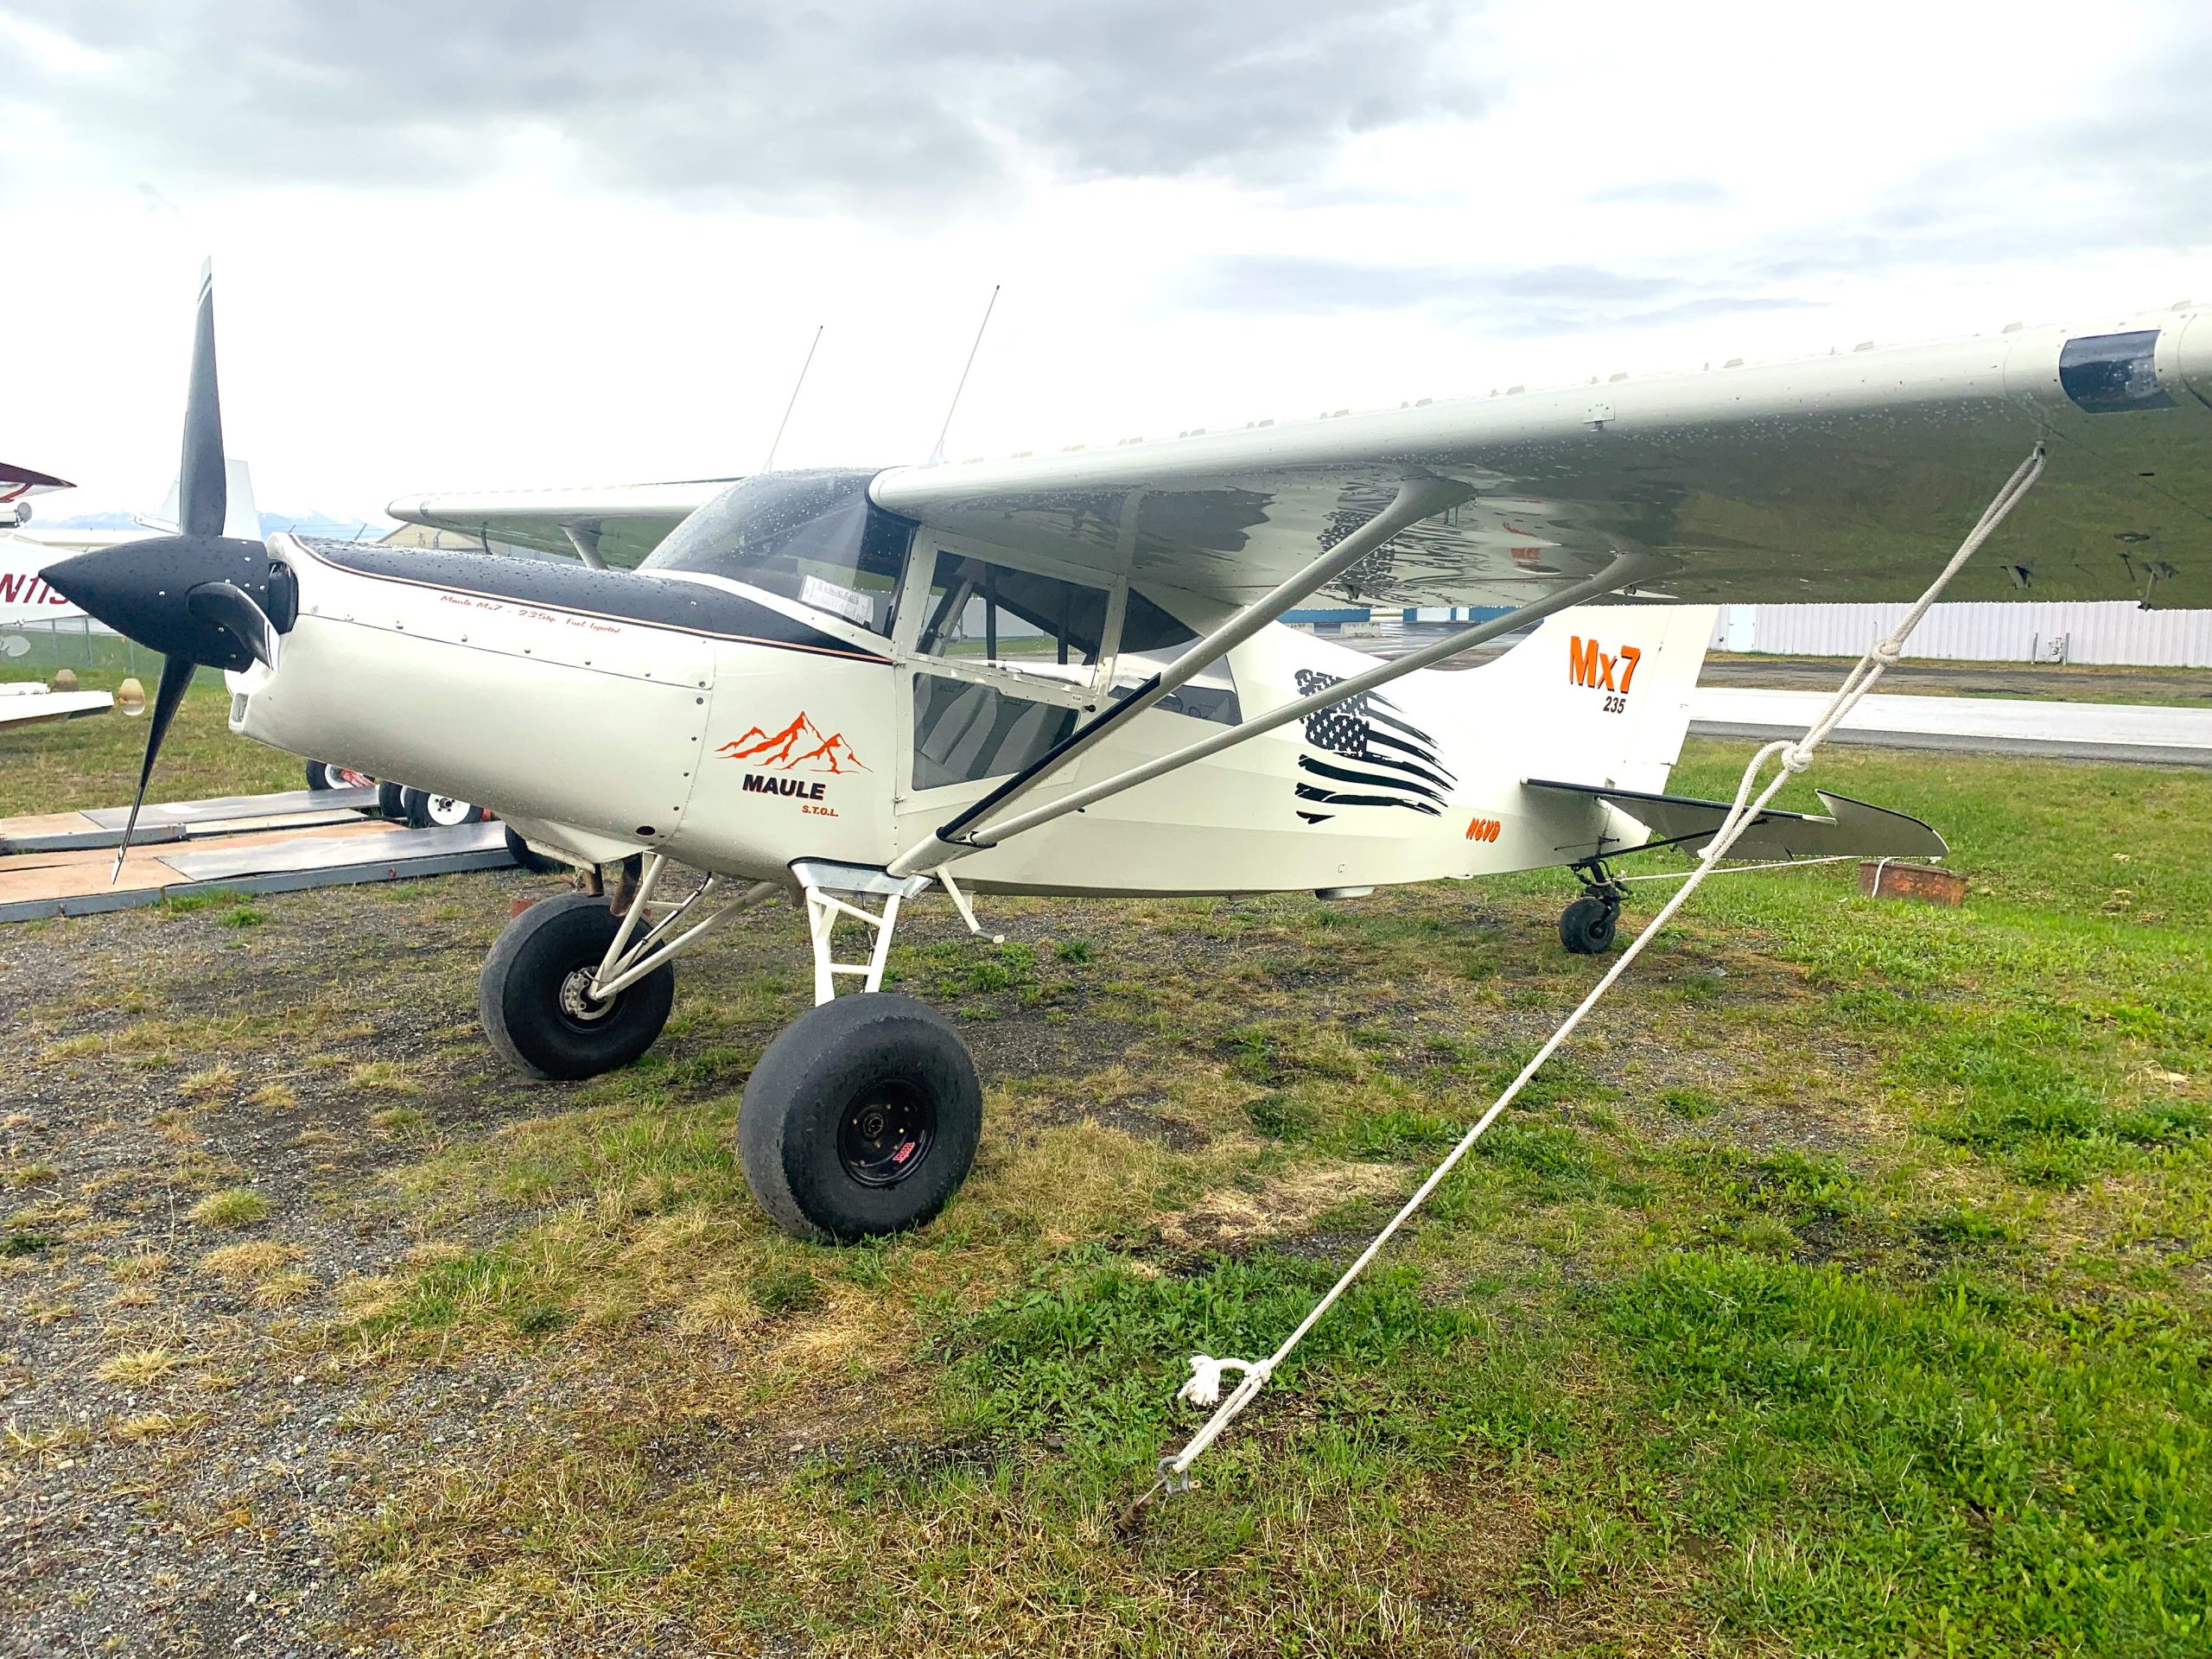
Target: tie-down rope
{"x":1204,"y":1387}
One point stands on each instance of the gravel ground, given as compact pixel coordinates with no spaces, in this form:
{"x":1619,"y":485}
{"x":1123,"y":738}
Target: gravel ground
{"x":186,"y":1451}
{"x":183,"y":1450}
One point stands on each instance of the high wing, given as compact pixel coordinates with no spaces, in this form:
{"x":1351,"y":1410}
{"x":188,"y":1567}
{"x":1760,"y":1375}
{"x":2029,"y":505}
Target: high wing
{"x":1846,"y":477}
{"x":619,"y":523}
{"x":1853,"y":829}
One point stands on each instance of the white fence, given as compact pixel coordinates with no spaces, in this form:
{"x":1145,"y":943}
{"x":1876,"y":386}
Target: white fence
{"x":2105,"y":632}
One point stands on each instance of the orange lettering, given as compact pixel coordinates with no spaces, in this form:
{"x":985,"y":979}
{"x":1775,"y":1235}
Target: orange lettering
{"x":1631,"y":656}
{"x":1582,"y":661}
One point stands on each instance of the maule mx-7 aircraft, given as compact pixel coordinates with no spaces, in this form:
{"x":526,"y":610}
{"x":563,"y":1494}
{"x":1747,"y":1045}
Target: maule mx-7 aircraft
{"x":1065,"y":674}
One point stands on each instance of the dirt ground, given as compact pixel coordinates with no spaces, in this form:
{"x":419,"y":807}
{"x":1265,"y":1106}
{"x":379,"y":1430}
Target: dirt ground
{"x":321,"y":1333}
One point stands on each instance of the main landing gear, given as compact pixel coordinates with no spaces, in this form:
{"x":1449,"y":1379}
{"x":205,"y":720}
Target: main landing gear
{"x":1585,"y":927}
{"x":862,"y":1115}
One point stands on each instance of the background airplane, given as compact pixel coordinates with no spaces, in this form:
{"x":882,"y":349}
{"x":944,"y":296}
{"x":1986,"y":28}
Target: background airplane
{"x":25,"y":550}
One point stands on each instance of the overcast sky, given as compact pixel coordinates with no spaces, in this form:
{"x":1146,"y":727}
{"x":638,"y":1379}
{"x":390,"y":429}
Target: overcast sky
{"x":544,"y":242}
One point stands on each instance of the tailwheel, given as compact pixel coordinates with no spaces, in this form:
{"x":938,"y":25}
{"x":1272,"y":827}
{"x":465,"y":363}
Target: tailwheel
{"x":1586,"y":927}
{"x":861,"y":1118}
{"x":535,"y":992}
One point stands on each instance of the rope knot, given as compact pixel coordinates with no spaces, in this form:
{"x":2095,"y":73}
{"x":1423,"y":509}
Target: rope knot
{"x":1796,"y":757}
{"x":1203,"y":1388}
{"x":1887,"y":652}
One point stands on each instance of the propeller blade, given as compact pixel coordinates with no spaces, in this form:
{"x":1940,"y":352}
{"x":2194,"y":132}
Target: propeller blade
{"x":176,"y":674}
{"x":230,"y":608}
{"x":202,"y":491}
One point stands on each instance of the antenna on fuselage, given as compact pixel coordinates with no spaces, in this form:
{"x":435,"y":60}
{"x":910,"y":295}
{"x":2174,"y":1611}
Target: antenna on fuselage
{"x":936,"y":455}
{"x":775,"y":443}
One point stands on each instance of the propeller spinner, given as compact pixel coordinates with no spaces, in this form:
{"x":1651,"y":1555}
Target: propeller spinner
{"x":198,"y":597}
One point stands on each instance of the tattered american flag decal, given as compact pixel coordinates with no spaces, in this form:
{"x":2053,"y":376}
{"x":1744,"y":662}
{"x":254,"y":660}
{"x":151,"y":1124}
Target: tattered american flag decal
{"x":1371,"y":755}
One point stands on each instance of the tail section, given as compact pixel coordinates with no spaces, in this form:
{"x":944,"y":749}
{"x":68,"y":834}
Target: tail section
{"x":1598,"y":695}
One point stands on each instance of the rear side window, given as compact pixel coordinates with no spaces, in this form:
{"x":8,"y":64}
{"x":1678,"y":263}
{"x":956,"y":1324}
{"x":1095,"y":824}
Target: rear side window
{"x":1151,"y":639}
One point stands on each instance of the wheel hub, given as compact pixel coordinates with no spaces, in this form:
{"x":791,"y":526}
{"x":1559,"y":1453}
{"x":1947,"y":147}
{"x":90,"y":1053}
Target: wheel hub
{"x":885,"y":1134}
{"x":576,"y":1000}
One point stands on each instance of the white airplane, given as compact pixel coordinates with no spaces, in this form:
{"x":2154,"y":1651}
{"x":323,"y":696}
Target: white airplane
{"x":1063,"y":674}
{"x":25,"y":595}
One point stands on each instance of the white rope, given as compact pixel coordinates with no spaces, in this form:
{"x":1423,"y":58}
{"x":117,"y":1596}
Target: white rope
{"x":1793,"y":758}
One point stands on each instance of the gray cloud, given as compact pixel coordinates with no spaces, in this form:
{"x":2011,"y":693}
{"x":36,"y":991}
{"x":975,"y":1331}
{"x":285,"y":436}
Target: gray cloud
{"x":2134,"y":171}
{"x":882,"y":105}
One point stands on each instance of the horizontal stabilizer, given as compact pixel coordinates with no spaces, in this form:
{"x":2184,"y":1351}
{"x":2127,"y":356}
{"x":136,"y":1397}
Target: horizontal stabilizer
{"x":1854,"y":830}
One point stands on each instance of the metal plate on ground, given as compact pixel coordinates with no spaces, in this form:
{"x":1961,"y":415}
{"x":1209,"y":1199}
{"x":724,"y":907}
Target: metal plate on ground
{"x":220,"y":863}
{"x":236,"y":806}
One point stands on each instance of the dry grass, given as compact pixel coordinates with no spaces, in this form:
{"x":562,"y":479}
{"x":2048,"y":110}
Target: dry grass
{"x":216,"y":1083}
{"x":256,"y":1259}
{"x":237,"y":1207}
{"x":141,"y":1366}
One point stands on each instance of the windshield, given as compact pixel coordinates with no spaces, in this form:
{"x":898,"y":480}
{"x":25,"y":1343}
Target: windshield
{"x":812,"y":537}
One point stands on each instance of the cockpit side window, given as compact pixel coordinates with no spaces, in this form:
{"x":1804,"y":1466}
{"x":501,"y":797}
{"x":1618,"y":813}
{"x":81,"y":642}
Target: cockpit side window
{"x":990,"y":612}
{"x":814,"y":537}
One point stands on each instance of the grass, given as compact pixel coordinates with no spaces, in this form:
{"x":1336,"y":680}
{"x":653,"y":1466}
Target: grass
{"x":1845,"y":1288}
{"x":61,"y":767}
{"x":234,"y":1206}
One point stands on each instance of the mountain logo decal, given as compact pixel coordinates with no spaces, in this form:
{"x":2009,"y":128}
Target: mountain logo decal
{"x":799,"y":746}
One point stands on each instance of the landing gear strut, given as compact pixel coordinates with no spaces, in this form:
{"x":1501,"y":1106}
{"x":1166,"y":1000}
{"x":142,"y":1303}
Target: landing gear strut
{"x":862,"y":1117}
{"x":1585,"y":927}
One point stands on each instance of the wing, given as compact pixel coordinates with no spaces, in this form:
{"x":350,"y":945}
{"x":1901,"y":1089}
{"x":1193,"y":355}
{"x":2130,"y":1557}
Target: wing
{"x":17,"y":482}
{"x":29,"y":703}
{"x":1846,"y":477}
{"x":622,"y":523}
{"x":1854,"y":830}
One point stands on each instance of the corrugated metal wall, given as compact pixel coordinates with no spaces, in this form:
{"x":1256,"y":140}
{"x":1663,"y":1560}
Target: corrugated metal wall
{"x":2112,"y":631}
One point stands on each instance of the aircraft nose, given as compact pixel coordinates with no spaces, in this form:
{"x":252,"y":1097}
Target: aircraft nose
{"x":176,"y":594}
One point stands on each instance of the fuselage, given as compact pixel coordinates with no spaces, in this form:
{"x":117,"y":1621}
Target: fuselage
{"x":736,"y":728}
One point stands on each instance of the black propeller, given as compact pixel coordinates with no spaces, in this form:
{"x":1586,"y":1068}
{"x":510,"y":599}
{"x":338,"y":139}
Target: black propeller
{"x":198,"y":597}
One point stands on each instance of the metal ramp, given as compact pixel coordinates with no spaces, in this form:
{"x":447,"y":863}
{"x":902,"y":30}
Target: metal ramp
{"x":58,"y":864}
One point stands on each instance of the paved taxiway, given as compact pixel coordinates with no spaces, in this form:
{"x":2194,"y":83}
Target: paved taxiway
{"x":2069,"y":731}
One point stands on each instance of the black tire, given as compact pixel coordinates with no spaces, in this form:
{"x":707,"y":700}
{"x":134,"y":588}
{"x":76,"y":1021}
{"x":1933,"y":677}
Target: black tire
{"x":322,"y":775}
{"x":1585,"y":927}
{"x":391,"y":802}
{"x":530,"y":997}
{"x":838,"y":1093}
{"x":528,"y":856}
{"x":428,"y":810}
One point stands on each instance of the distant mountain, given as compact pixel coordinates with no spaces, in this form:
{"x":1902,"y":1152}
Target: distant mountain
{"x":299,"y":524}
{"x":88,"y":521}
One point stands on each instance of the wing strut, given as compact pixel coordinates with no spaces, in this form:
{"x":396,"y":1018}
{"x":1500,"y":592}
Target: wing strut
{"x":1417,"y":498}
{"x":962,"y":835}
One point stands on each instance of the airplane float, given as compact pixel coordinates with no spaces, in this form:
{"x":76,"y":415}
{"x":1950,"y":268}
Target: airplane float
{"x":1065,"y":673}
